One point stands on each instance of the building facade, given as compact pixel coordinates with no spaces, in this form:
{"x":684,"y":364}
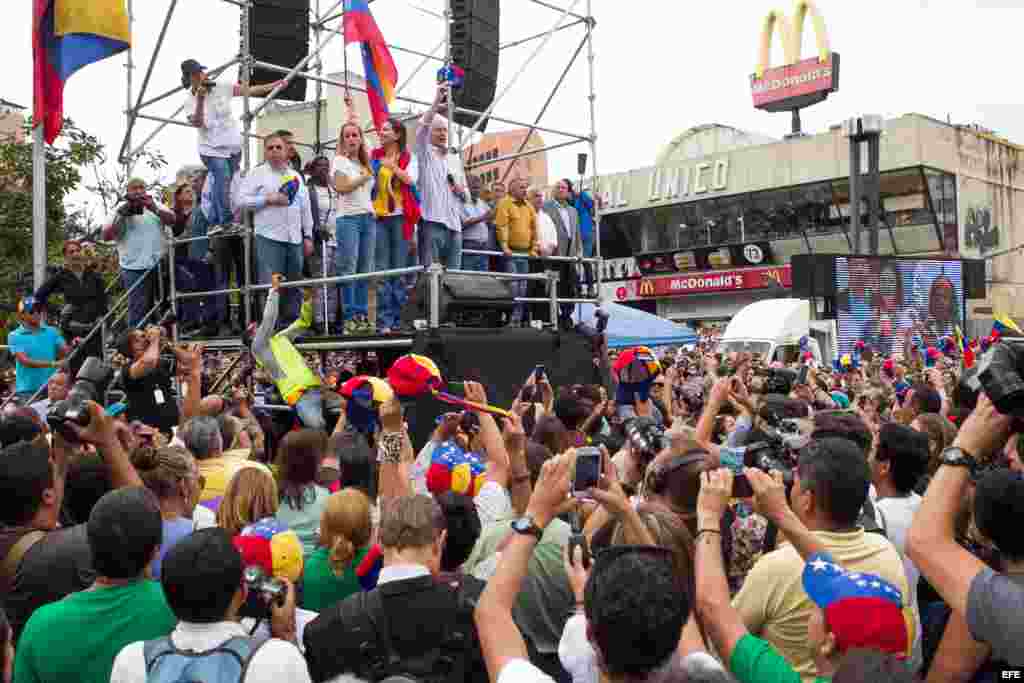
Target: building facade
{"x":732,"y":218}
{"x":12,"y":121}
{"x":531,"y":166}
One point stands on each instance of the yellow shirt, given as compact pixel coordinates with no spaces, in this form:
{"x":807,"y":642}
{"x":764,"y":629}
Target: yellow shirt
{"x":516,"y":225}
{"x":775,"y":607}
{"x":389,"y":199}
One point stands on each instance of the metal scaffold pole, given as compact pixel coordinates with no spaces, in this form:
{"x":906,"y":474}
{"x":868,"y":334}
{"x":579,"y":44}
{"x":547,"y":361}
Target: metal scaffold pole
{"x":595,"y":190}
{"x":246,"y":73}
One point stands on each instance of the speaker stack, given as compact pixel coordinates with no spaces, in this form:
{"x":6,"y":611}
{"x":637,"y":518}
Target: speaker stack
{"x":279,"y":35}
{"x":474,"y":40}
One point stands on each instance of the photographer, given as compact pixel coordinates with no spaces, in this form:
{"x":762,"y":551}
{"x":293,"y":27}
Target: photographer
{"x":202,"y":581}
{"x":137,"y":227}
{"x":147,"y":381}
{"x":85,"y":301}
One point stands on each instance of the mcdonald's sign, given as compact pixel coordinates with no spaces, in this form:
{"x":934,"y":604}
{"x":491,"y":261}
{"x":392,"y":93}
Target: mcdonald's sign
{"x":798,"y":83}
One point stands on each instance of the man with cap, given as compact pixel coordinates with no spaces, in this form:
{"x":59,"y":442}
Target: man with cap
{"x":850,"y":610}
{"x":208,"y":105}
{"x":38,"y":349}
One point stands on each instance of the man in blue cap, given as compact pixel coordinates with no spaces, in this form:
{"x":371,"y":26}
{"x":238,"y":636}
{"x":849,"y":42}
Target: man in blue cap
{"x":38,"y":350}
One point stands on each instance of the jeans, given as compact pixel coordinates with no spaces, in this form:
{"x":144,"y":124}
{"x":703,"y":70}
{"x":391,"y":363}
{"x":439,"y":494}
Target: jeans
{"x":189,"y":310}
{"x":197,"y":250}
{"x":140,"y":299}
{"x":310,"y":409}
{"x":522,"y":266}
{"x":325,"y":255}
{"x":221,"y":171}
{"x":588,"y":252}
{"x":475,"y":261}
{"x":284,"y":258}
{"x":392,"y":252}
{"x":228,"y":256}
{"x":438,"y":244}
{"x":356,"y":250}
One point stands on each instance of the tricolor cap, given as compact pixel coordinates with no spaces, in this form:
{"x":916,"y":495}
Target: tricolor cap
{"x":273,"y":546}
{"x":365,"y":396}
{"x":414,"y":375}
{"x":861,"y":610}
{"x":452,"y":469}
{"x":636,"y":365}
{"x":28,"y":304}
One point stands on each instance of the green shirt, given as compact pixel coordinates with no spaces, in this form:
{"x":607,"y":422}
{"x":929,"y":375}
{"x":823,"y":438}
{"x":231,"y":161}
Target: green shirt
{"x":755,"y":661}
{"x":77,"y":638}
{"x":321,"y":588}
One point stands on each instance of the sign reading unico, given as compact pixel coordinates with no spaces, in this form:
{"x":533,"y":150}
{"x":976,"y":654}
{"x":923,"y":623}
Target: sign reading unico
{"x":672,"y":183}
{"x":798,"y":83}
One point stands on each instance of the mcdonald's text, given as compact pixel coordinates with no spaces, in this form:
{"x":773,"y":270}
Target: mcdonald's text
{"x":717,"y":281}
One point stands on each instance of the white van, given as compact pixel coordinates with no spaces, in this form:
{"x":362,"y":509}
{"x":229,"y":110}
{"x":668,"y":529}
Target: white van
{"x":773,"y":328}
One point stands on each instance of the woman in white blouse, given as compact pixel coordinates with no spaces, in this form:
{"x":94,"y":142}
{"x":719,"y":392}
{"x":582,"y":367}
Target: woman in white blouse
{"x":356,"y":224}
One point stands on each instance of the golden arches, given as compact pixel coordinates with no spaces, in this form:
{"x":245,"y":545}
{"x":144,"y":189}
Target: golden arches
{"x":792,"y":33}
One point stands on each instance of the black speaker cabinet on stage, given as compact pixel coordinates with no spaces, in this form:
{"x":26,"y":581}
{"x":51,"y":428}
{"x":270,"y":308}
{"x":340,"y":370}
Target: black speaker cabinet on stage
{"x":466,"y":301}
{"x":279,"y":35}
{"x":974,"y":279}
{"x":474,"y":37}
{"x":814,"y":275}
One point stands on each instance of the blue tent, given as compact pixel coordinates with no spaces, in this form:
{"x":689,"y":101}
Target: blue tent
{"x":629,"y":326}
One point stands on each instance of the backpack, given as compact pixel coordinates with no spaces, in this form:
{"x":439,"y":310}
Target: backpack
{"x":447,"y":662}
{"x":226,"y":663}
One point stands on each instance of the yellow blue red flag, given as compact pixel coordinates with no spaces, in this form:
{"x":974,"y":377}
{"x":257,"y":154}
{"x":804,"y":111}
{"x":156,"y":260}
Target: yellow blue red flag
{"x":359,"y":26}
{"x":67,"y":35}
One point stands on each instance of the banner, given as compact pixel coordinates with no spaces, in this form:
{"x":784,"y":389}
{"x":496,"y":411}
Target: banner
{"x":705,"y":258}
{"x":715,"y":281}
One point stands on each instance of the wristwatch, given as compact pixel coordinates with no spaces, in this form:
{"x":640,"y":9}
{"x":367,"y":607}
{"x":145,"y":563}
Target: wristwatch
{"x":955,"y":456}
{"x":526,"y":526}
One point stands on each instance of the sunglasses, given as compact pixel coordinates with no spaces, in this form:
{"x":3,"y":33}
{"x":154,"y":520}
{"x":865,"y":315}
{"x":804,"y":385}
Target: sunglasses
{"x":270,"y":148}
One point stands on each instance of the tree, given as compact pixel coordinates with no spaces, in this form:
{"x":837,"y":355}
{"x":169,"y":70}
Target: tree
{"x":64,"y":160}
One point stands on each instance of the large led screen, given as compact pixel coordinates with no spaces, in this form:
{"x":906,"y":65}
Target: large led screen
{"x":888,"y":301}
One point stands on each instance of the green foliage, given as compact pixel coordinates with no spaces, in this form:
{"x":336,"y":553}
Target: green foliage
{"x":64,"y":161}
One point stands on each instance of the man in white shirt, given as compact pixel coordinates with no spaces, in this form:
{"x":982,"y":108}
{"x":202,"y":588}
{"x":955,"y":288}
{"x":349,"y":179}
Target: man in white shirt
{"x":137,"y":225}
{"x":441,"y":186}
{"x":208,"y":105}
{"x":476,"y":213}
{"x":202,"y":582}
{"x":282,"y":218}
{"x":547,"y":244}
{"x":56,"y":390}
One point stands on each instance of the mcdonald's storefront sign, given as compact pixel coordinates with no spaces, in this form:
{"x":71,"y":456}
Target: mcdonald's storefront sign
{"x":716,"y":281}
{"x":799,"y":82}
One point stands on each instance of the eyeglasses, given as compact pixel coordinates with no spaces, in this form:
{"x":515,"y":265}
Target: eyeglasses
{"x":270,"y":148}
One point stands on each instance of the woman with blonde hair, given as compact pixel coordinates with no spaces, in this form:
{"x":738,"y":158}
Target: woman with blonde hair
{"x":345,"y":561}
{"x":251,"y":496}
{"x":356,"y":224}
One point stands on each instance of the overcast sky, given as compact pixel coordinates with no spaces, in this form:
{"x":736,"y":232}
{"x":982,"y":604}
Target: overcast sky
{"x":661,"y":66}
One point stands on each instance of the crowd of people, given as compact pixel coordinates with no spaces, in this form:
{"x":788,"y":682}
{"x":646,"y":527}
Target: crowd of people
{"x":365,"y":209}
{"x":746,"y":521}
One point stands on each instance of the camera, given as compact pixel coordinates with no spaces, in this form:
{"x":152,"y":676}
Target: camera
{"x":646,"y":437}
{"x":132,"y":206}
{"x":1000,"y":374}
{"x":779,"y":380}
{"x":90,"y":385}
{"x":265,"y":592}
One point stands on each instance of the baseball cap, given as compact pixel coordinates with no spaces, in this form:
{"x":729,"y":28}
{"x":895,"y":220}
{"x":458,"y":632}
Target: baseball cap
{"x":273,"y":546}
{"x":861,"y":610}
{"x":28,"y":304}
{"x":191,"y":66}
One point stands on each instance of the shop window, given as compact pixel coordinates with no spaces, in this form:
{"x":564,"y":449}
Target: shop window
{"x":620,"y":234}
{"x":771,"y":215}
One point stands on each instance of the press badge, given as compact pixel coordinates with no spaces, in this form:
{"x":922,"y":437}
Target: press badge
{"x":158,"y":396}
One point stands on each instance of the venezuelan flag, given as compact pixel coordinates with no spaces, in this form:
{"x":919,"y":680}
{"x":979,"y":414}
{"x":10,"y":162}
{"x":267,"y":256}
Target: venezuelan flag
{"x":1002,"y":323}
{"x":67,"y":35}
{"x":381,"y":75}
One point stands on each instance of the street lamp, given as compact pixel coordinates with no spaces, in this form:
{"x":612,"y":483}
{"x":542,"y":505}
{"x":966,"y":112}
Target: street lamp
{"x":866,"y":128}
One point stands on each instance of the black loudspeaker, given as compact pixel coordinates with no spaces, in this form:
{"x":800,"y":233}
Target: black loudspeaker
{"x":814,"y":275}
{"x":466,"y":301}
{"x":279,"y":35}
{"x":974,"y":279}
{"x":474,"y":37}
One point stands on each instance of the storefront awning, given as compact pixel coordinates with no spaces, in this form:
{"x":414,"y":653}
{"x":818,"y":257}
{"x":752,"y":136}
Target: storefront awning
{"x":629,"y":326}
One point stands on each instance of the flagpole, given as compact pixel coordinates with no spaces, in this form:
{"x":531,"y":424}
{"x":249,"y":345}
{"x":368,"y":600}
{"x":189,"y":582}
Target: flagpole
{"x":38,"y":206}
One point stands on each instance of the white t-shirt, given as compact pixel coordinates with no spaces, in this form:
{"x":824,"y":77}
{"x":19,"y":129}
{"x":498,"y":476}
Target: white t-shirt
{"x":547,"y":234}
{"x":895,"y":516}
{"x":221,"y":135}
{"x":355,"y":202}
{"x":522,"y":671}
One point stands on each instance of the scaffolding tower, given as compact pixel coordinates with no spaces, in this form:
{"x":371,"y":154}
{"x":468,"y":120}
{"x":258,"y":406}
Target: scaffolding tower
{"x":323,"y":35}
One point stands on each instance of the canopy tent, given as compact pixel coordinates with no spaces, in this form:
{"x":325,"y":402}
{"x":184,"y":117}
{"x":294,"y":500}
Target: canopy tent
{"x":629,"y":326}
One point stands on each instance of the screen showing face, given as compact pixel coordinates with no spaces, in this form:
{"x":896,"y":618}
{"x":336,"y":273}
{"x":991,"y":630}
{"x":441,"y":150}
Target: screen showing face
{"x":888,"y":302}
